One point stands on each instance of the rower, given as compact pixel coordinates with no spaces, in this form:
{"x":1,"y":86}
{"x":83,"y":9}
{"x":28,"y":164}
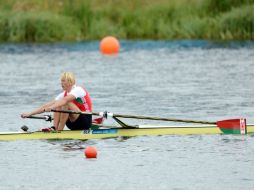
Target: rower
{"x":74,"y":98}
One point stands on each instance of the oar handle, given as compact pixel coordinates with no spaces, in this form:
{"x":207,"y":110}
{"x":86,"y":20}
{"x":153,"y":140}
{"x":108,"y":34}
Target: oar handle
{"x":44,"y":117}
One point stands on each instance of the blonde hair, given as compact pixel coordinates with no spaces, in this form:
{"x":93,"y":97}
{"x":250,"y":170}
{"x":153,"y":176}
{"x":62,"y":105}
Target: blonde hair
{"x":69,"y":77}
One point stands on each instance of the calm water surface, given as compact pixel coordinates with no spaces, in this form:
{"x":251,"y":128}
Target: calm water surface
{"x":182,"y":79}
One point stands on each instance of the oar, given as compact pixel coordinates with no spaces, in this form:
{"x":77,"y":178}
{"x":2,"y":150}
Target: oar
{"x":231,"y":126}
{"x":109,"y":114}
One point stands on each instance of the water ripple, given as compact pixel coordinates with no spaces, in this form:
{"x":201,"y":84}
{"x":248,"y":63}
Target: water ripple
{"x":183,"y":79}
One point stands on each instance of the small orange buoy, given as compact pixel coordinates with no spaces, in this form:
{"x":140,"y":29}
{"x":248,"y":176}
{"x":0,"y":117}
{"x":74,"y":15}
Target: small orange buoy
{"x":109,"y":45}
{"x":90,"y":152}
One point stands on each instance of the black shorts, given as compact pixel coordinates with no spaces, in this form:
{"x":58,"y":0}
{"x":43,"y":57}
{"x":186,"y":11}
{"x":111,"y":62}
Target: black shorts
{"x":82,"y":123}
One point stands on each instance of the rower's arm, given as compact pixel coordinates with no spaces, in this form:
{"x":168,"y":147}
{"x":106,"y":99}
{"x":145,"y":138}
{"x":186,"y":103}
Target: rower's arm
{"x":38,"y":110}
{"x":61,"y":102}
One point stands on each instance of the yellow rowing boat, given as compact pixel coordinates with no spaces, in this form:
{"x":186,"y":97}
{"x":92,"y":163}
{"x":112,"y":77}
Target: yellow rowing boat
{"x":99,"y":130}
{"x":104,"y":132}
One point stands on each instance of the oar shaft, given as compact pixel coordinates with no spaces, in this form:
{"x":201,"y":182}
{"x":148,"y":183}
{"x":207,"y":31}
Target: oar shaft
{"x":163,"y":119}
{"x":74,"y":112}
{"x":106,"y":114}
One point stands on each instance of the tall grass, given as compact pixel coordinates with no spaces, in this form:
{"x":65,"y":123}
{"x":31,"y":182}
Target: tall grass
{"x":36,"y":27}
{"x":80,"y":12}
{"x":72,"y":20}
{"x":238,"y":23}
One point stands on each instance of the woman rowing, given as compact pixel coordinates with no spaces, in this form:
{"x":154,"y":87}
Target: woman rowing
{"x":73,"y":98}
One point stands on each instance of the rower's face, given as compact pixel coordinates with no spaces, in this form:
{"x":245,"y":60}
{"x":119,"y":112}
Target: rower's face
{"x":65,"y":84}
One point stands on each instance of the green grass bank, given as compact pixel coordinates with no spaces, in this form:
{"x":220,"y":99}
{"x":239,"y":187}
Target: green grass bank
{"x":78,"y":20}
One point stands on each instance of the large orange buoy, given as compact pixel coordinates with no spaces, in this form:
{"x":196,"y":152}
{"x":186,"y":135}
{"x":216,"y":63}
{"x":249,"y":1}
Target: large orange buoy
{"x":90,"y":152}
{"x":109,"y":45}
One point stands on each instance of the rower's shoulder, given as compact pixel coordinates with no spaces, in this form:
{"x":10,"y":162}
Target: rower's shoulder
{"x":77,"y":87}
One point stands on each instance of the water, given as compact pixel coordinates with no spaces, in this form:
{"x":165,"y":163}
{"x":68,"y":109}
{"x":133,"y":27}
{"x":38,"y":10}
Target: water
{"x":182,"y":79}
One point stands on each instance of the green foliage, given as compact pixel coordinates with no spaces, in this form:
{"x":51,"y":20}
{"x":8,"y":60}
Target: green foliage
{"x":218,"y":6}
{"x":238,"y":23}
{"x":81,"y":12}
{"x":72,"y":20}
{"x":36,"y":27}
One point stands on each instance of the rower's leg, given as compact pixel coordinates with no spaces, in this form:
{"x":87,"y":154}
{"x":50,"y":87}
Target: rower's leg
{"x":73,"y":117}
{"x":56,"y":119}
{"x":65,"y":116}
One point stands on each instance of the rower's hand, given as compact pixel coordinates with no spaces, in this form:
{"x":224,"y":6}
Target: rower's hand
{"x":25,"y":115}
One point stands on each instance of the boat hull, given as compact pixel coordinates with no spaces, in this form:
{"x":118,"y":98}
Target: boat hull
{"x":113,"y":132}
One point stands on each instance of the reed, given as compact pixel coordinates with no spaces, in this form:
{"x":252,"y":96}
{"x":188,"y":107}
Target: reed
{"x":80,"y":12}
{"x":36,"y":27}
{"x":237,"y":24}
{"x":76,"y":20}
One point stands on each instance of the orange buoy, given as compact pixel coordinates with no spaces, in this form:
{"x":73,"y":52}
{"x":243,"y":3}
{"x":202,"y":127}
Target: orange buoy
{"x":109,"y":45}
{"x":90,"y":152}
